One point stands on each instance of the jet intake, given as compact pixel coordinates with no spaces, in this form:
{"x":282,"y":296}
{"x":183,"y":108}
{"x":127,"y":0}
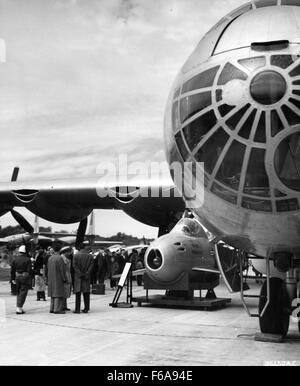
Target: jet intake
{"x":155,"y":259}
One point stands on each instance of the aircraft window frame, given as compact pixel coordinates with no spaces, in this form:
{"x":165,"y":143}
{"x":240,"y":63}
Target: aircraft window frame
{"x":194,"y":104}
{"x":203,"y":80}
{"x":225,"y":109}
{"x":295,"y":71}
{"x":257,"y":184}
{"x":260,"y":135}
{"x":252,"y":64}
{"x":219,"y":95}
{"x":246,"y":129}
{"x":240,"y":10}
{"x":199,"y":128}
{"x":177,"y":93}
{"x":282,"y":61}
{"x":231,"y":72}
{"x":291,"y":116}
{"x":295,"y":102}
{"x":210,"y":158}
{"x":278,"y":126}
{"x":294,"y":3}
{"x":285,"y":164}
{"x":182,"y":149}
{"x":288,"y":205}
{"x":279,"y":194}
{"x":223,"y":192}
{"x":232,"y":165}
{"x":235,"y":119}
{"x":266,"y":3}
{"x":259,"y":205}
{"x":175,"y":116}
{"x":296,"y":92}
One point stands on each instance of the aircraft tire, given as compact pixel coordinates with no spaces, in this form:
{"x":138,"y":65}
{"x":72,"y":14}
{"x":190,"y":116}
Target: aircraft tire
{"x":276,"y":318}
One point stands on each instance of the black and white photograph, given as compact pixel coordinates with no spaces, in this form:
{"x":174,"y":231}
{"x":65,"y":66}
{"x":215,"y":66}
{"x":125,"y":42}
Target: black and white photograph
{"x":150,"y":186}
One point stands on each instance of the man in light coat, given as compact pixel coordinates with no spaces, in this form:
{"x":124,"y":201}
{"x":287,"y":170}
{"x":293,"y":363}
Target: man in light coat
{"x":57,"y":278}
{"x":67,"y":254}
{"x":83,"y":265}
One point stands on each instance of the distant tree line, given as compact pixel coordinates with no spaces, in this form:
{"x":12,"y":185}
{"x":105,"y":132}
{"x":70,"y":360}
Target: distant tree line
{"x":15,"y":230}
{"x":123,"y":237}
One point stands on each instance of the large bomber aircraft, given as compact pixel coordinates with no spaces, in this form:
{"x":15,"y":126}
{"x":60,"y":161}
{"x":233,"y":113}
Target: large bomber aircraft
{"x":235,"y":106}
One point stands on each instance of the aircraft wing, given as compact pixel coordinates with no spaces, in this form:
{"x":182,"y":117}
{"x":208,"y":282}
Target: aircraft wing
{"x":72,"y":200}
{"x":54,"y":235}
{"x":15,"y":239}
{"x":103,"y":243}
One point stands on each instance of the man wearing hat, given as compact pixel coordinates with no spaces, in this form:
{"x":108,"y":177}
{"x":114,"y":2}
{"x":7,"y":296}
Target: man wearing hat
{"x":83,"y":266}
{"x":66,"y":254}
{"x":57,"y":278}
{"x":21,"y":270}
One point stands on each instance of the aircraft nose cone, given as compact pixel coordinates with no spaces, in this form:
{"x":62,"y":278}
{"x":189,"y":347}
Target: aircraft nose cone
{"x":268,"y":87}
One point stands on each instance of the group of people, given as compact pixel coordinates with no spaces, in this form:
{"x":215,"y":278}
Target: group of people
{"x":54,"y":269}
{"x":62,"y":271}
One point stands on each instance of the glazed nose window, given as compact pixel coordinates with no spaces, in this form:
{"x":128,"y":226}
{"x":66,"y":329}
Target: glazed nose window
{"x":268,"y":87}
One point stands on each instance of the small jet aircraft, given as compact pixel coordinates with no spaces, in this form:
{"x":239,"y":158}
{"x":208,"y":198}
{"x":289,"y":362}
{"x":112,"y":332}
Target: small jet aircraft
{"x":234,"y":106}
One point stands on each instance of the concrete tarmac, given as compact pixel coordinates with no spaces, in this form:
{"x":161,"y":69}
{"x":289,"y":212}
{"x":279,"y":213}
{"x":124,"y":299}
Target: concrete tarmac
{"x":139,"y":336}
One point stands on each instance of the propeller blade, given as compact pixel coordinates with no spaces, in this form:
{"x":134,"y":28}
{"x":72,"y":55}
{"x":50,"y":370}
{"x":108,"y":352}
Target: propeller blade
{"x":91,"y":233}
{"x":36,"y":230}
{"x":15,"y":174}
{"x":22,"y":221}
{"x":92,"y":224}
{"x":81,"y":232}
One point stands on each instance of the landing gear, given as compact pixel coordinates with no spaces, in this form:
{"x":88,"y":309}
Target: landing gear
{"x":276,"y":317}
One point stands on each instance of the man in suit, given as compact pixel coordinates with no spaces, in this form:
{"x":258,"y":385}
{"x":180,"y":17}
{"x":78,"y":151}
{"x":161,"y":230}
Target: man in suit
{"x":57,"y":278}
{"x":21,"y":271}
{"x":103,"y":260}
{"x":83,"y":265}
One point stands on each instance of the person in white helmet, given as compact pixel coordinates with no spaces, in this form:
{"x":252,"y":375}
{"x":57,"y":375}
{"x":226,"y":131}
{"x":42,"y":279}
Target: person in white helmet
{"x":21,"y":270}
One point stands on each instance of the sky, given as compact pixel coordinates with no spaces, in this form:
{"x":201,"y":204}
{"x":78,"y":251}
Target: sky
{"x":85,"y":80}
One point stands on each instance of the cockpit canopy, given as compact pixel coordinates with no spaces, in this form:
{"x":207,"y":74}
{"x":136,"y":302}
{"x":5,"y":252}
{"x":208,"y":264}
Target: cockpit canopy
{"x":190,"y":227}
{"x":242,"y":28}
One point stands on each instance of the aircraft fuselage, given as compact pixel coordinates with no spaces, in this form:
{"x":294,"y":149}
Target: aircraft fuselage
{"x":235,"y":106}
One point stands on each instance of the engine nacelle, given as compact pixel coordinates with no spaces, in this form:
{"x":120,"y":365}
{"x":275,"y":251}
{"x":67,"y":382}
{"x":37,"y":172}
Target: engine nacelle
{"x":58,"y":213}
{"x":171,"y":256}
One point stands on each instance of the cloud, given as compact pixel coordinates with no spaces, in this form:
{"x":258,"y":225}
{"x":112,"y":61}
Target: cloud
{"x":86,"y":79}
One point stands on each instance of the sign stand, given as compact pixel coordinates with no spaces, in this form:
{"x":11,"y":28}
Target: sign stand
{"x":126,"y":278}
